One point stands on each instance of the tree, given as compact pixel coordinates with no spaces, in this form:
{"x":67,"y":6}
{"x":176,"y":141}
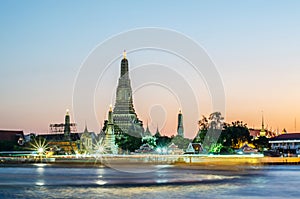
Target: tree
{"x":235,"y":134}
{"x":149,"y":140}
{"x":163,"y":141}
{"x":128,"y":142}
{"x":203,"y":126}
{"x":214,"y":130}
{"x":216,"y":120}
{"x":181,"y":142}
{"x":261,"y":143}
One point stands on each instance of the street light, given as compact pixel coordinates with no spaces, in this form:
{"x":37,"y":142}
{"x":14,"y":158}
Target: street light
{"x":40,"y":150}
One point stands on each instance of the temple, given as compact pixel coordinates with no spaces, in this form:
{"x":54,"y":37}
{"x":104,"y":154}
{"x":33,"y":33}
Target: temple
{"x":109,"y":139}
{"x":180,"y":124}
{"x":262,"y":131}
{"x":124,"y":117}
{"x":147,"y":131}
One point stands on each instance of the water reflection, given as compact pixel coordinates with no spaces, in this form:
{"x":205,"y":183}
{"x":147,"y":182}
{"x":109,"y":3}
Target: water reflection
{"x":52,"y":181}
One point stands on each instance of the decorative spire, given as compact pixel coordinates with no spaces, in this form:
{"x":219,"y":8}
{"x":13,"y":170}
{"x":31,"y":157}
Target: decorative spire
{"x":124,"y":54}
{"x":157,"y":134}
{"x":147,"y":126}
{"x":262,"y":121}
{"x":85,"y":129}
{"x":67,"y":112}
{"x":147,"y":132}
{"x":262,"y":131}
{"x":110,"y":115}
{"x":180,"y":124}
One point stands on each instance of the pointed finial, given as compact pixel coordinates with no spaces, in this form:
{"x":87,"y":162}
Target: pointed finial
{"x":262,"y":119}
{"x":124,"y":54}
{"x":179,"y":111}
{"x":67,"y":112}
{"x":110,"y":108}
{"x":85,"y":129}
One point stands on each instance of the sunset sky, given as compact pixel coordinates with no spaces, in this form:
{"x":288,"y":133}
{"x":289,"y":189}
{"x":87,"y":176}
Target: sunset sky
{"x":255,"y":46}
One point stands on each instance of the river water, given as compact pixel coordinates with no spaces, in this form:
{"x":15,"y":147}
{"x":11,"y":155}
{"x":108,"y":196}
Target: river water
{"x":162,"y":181}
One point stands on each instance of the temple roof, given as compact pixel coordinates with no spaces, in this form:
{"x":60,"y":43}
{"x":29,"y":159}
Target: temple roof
{"x":11,"y":135}
{"x":60,"y":137}
{"x":288,"y":136}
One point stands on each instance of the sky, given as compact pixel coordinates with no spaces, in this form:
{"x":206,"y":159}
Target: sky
{"x":254,"y":45}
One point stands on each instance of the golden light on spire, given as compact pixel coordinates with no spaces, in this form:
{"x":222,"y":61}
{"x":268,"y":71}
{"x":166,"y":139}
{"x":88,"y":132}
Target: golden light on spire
{"x":110,"y":108}
{"x":124,"y":54}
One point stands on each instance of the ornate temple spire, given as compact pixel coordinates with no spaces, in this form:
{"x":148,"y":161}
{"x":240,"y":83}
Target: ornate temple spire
{"x":67,"y":128}
{"x":180,"y":124}
{"x":109,"y":138}
{"x":157,"y":134}
{"x":262,"y":121}
{"x":147,"y":132}
{"x":262,"y":131}
{"x":85,"y":129}
{"x":124,"y":54}
{"x":110,"y":115}
{"x":124,"y":66}
{"x":124,"y":117}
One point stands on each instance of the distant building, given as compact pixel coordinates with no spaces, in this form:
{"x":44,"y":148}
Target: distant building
{"x":256,"y":133}
{"x":11,"y":138}
{"x":62,"y":139}
{"x":174,"y":150}
{"x":246,"y":149}
{"x":145,"y":148}
{"x":286,"y":144}
{"x":180,"y":124}
{"x":194,"y":148}
{"x":88,"y":141}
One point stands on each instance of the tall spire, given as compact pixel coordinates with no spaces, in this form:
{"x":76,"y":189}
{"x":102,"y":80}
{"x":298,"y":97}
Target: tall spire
{"x":262,"y":121}
{"x":109,"y":138}
{"x":124,"y":66}
{"x":262,"y":131}
{"x":85,"y":129}
{"x":110,"y":115}
{"x":147,"y":132}
{"x":67,"y":126}
{"x":180,"y":124}
{"x":157,"y":134}
{"x":124,"y":54}
{"x":124,"y":116}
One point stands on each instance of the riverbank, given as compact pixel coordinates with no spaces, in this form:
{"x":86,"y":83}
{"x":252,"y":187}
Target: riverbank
{"x":108,"y":160}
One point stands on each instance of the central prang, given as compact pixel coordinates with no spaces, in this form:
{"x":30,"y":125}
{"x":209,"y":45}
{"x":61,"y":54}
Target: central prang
{"x":124,"y":116}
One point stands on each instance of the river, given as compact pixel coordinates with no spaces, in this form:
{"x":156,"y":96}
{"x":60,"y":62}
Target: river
{"x":161,"y":181}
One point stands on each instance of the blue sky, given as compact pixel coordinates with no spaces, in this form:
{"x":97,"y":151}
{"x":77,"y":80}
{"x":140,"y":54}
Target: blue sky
{"x":254,"y":44}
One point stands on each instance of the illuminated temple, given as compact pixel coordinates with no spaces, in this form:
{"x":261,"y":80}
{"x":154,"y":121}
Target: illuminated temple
{"x":109,"y":139}
{"x":124,"y":117}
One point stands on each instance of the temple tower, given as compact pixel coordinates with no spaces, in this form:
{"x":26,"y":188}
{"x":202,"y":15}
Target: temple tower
{"x":109,"y":139}
{"x":147,"y":132}
{"x":125,"y":119}
{"x":67,"y":128}
{"x":180,"y":124}
{"x":262,"y":131}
